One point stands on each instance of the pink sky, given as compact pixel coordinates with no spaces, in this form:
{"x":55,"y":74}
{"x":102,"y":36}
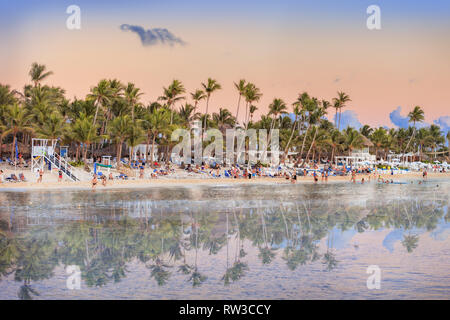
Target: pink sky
{"x":379,"y":70}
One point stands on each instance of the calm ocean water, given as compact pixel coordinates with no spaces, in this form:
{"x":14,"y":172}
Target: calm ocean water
{"x":228,"y":242}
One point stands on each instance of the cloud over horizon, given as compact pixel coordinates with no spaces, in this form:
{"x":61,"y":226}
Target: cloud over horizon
{"x":403,"y":121}
{"x":349,"y":118}
{"x":443,"y":122}
{"x":154,"y":36}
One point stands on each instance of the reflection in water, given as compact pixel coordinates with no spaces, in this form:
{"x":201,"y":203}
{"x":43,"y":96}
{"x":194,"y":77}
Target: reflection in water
{"x":165,"y":231}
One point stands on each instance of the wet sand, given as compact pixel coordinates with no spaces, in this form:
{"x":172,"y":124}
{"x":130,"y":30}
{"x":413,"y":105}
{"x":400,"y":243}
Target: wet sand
{"x":50,"y":183}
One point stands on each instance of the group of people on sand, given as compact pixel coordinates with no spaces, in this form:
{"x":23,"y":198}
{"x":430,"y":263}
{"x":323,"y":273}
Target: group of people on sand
{"x":103,"y":179}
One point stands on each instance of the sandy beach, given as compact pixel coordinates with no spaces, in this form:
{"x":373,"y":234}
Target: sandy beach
{"x":50,"y":181}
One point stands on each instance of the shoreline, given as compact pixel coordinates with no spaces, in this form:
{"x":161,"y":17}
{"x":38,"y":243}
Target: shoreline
{"x":189,"y":182}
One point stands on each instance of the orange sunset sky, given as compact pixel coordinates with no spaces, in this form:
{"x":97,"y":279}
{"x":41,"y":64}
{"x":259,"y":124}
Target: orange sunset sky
{"x":283,"y":47}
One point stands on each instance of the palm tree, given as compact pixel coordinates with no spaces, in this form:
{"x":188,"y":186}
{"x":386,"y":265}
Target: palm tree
{"x":416,"y":115}
{"x":135,"y":136}
{"x":276,"y":108}
{"x":101,"y":95}
{"x":209,"y":87}
{"x":366,"y":130}
{"x":17,"y":121}
{"x":315,"y":119}
{"x":378,"y":138}
{"x":251,"y":94}
{"x":297,"y":112}
{"x":240,"y":87}
{"x":188,"y":115}
{"x":252,"y":111}
{"x":85,"y":132}
{"x":339,"y":103}
{"x":38,"y":74}
{"x":223,"y":118}
{"x":119,"y":131}
{"x":197,"y":96}
{"x":53,"y":127}
{"x":353,"y":139}
{"x":132,"y":95}
{"x":172,"y":95}
{"x":156,"y":121}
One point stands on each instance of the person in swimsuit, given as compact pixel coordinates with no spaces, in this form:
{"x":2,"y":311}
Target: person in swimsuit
{"x":59,"y":176}
{"x":41,"y":173}
{"x":294,"y":178}
{"x":104,"y":180}
{"x":94,"y":182}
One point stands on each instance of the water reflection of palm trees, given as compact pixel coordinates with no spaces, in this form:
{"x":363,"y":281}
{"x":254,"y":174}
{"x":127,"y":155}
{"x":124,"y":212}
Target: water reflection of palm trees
{"x":104,"y":244}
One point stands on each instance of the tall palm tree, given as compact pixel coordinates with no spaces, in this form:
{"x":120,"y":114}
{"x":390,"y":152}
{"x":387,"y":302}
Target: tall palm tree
{"x":38,"y":74}
{"x":132,"y":95}
{"x":251,"y":94}
{"x":172,"y":94}
{"x":197,"y":96}
{"x":102,"y":96}
{"x":276,"y":108}
{"x":339,"y":103}
{"x":209,"y":87}
{"x":119,"y":131}
{"x":85,"y":132}
{"x":296,"y":110}
{"x":17,"y":120}
{"x":135,"y":136}
{"x":415,"y":116}
{"x":155,"y":122}
{"x":240,"y":87}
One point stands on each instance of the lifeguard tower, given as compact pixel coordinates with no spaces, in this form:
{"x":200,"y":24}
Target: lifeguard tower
{"x":43,"y":151}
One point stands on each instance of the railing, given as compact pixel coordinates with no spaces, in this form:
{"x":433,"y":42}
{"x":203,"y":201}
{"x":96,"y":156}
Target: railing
{"x":63,"y":165}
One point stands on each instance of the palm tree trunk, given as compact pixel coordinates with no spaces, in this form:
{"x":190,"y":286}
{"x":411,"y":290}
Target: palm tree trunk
{"x":310,"y":147}
{"x":303,"y":144}
{"x":206,"y":114}
{"x":119,"y":153}
{"x":153,"y":146}
{"x":13,"y":157}
{"x":147,"y":147}
{"x":290,"y":138}
{"x":237,"y":111}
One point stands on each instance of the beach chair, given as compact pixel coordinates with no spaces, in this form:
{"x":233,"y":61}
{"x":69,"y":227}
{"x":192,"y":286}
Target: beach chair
{"x":12,"y":178}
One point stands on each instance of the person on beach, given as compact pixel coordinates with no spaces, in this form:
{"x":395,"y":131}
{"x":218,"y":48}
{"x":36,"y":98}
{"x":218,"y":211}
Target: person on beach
{"x":424,"y":175}
{"x":315,"y":176}
{"x":103,"y":180}
{"x":59,"y":176}
{"x":294,"y":178}
{"x":41,"y":173}
{"x":362,"y":181}
{"x":323,"y":175}
{"x":94,"y":182}
{"x":141,"y":173}
{"x":111,"y":176}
